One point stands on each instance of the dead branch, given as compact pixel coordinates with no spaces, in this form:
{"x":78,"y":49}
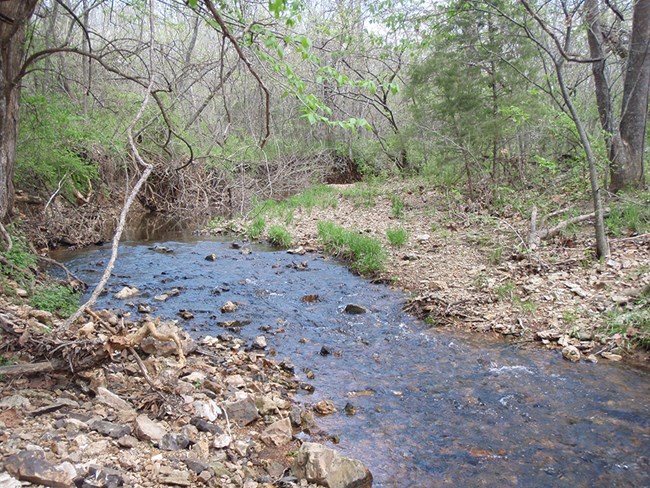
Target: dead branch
{"x":7,"y":238}
{"x":536,"y":236}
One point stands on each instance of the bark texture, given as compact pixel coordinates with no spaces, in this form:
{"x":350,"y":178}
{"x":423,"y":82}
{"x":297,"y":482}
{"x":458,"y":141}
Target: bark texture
{"x":14,"y":15}
{"x":627,"y":165}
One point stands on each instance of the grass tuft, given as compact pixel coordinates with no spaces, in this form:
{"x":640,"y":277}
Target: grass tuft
{"x":279,"y":236}
{"x":365,"y":254}
{"x":55,"y":298}
{"x":397,"y":237}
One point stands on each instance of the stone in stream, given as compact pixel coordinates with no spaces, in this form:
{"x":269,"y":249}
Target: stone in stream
{"x":211,"y":257}
{"x":326,"y":467}
{"x":33,"y":467}
{"x":126,"y":292}
{"x":259,"y":342}
{"x":571,"y":353}
{"x":354,"y":309}
{"x":229,"y":307}
{"x":325,"y":407}
{"x":325,"y":351}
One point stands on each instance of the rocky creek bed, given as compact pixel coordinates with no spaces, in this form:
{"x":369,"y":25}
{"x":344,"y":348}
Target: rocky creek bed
{"x":419,"y":407}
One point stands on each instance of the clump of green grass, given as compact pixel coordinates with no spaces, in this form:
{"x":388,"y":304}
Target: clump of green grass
{"x":279,"y":236}
{"x":361,"y":194}
{"x":397,"y":206}
{"x":505,"y":291}
{"x":496,"y":256}
{"x":397,"y":237}
{"x":365,"y":254}
{"x":629,"y":216}
{"x":55,"y":298}
{"x":256,"y":228}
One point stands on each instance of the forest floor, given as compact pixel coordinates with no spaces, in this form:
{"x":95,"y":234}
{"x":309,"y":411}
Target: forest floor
{"x":465,"y":267}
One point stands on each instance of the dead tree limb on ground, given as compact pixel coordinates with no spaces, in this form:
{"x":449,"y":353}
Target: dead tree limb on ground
{"x":540,"y":231}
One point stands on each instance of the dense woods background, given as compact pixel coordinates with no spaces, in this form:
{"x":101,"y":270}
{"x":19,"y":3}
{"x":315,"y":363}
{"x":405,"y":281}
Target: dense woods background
{"x":253,"y":100}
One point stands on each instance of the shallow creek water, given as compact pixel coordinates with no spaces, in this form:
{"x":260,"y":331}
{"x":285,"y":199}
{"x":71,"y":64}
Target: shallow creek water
{"x":435,"y":407}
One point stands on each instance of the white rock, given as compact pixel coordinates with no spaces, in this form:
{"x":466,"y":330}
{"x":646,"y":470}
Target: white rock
{"x":126,"y":292}
{"x":15,"y":401}
{"x":236,"y":381}
{"x":207,"y":409}
{"x":278,"y":433}
{"x":8,"y":481}
{"x":222,"y":441}
{"x":324,"y":466}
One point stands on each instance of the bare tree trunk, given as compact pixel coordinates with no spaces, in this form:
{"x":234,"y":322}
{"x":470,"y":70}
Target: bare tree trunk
{"x":626,"y":167}
{"x":14,"y":16}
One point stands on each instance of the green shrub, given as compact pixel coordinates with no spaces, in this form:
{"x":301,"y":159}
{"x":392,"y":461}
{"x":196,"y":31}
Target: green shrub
{"x":55,"y":298}
{"x":365,"y":254}
{"x":633,"y":324}
{"x":256,"y":228}
{"x":19,"y":260}
{"x":397,"y":237}
{"x":397,"y":206}
{"x":630,"y":215}
{"x":279,"y":236}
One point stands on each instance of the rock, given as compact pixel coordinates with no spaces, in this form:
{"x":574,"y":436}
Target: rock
{"x":99,"y":476}
{"x":325,"y":351}
{"x":325,"y":407}
{"x":8,"y":481}
{"x":128,"y":441}
{"x":242,"y":411}
{"x":195,"y":377}
{"x":207,"y":409}
{"x":299,"y":250}
{"x":126,"y":292}
{"x":222,"y":441}
{"x":592,"y":358}
{"x":204,"y":477}
{"x":109,"y":398}
{"x":235,"y":380}
{"x":144,"y":308}
{"x":161,"y":249}
{"x":110,"y":429}
{"x":411,"y":256}
{"x":576,"y":289}
{"x":196,"y":465}
{"x":148,"y":430}
{"x":97,"y":448}
{"x":229,"y":307}
{"x":176,"y":477}
{"x":350,"y":409}
{"x":549,"y":334}
{"x":354,"y":309}
{"x":185,"y":314}
{"x":211,"y":257}
{"x":242,"y":446}
{"x":161,"y":298}
{"x":287,"y":365}
{"x":571,"y":353}
{"x":421,"y":238}
{"x":204,"y":426}
{"x":22,"y":293}
{"x":33,"y":467}
{"x":278,"y":433}
{"x":245,"y":251}
{"x":437,"y":286}
{"x":296,"y":416}
{"x":173,"y":442}
{"x":275,"y":469}
{"x":611,"y":356}
{"x":259,"y":342}
{"x":323,"y":466}
{"x":168,"y":348}
{"x":18,"y":402}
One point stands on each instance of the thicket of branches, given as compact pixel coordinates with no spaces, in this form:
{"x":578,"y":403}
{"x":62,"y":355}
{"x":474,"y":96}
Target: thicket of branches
{"x":261,"y":99}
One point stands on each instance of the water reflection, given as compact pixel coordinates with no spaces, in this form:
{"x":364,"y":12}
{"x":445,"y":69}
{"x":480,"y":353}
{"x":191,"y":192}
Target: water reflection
{"x":434,"y":407}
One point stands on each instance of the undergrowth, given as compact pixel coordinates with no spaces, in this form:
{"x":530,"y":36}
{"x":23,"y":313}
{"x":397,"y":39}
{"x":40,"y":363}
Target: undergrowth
{"x":365,"y":254}
{"x":279,"y":236}
{"x":397,"y":237}
{"x":55,"y":298}
{"x":634,"y":325}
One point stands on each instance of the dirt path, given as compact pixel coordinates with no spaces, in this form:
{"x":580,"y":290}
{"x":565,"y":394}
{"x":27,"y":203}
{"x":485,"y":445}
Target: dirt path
{"x":470,"y":269}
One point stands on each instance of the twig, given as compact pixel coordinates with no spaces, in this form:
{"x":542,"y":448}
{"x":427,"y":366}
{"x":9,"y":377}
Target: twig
{"x":69,"y":274}
{"x":56,"y":192}
{"x":7,"y":238}
{"x":143,"y":368}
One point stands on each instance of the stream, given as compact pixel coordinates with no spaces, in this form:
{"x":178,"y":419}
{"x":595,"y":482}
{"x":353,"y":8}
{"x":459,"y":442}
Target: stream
{"x":435,"y":407}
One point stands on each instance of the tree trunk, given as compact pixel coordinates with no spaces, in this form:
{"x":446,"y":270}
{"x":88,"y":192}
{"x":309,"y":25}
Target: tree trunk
{"x":14,"y":16}
{"x":626,"y":166}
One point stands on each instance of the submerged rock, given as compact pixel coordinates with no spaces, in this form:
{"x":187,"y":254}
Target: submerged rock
{"x":571,"y":353}
{"x":126,"y":292}
{"x":354,"y":309}
{"x":324,"y":466}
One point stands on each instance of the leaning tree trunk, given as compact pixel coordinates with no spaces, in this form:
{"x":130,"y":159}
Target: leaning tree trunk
{"x":14,"y":15}
{"x":626,"y":166}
